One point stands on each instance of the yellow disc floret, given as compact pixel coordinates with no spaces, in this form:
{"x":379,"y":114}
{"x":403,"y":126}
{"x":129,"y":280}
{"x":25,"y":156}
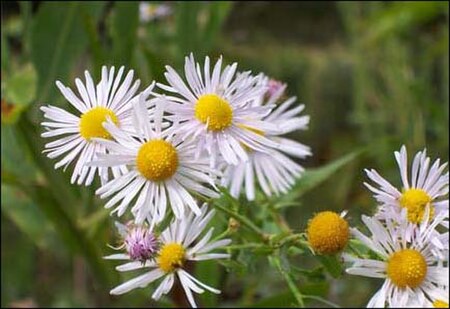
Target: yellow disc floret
{"x":440,"y":304}
{"x":171,"y":256}
{"x":91,"y":123}
{"x":157,"y":160}
{"x":214,"y":111}
{"x":407,"y":268}
{"x":415,"y":201}
{"x":327,"y":232}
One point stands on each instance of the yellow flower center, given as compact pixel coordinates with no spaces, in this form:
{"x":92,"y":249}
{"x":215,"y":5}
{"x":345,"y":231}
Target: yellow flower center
{"x":157,"y":160}
{"x":327,"y":232}
{"x":215,"y":111}
{"x":91,"y":123}
{"x":415,"y":201}
{"x":407,"y":268}
{"x":171,"y":256}
{"x":440,"y":304}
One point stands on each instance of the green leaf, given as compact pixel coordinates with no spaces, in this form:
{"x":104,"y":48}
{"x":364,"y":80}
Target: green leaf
{"x":89,"y":20}
{"x":287,"y":299}
{"x":57,"y":41}
{"x":124,"y":26}
{"x":233,"y":266}
{"x":401,"y":17}
{"x":283,"y":299}
{"x":314,"y":177}
{"x":18,"y":263}
{"x":20,"y":87}
{"x":4,"y":55}
{"x":187,"y":30}
{"x":28,"y":217}
{"x":154,"y":62}
{"x":15,"y":158}
{"x":315,"y":274}
{"x":217,"y":11}
{"x":208,"y":272}
{"x":70,"y":233}
{"x":26,"y":11}
{"x":332,"y":264}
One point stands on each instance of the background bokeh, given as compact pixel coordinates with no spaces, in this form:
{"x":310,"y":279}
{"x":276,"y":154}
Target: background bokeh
{"x":371,"y":74}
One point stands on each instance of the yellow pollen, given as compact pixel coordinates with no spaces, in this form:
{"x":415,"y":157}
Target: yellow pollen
{"x":171,"y":256}
{"x":215,"y":111}
{"x":440,"y":304}
{"x":327,"y":232}
{"x":415,"y":201}
{"x":157,"y":160}
{"x":91,"y":123}
{"x":407,"y":268}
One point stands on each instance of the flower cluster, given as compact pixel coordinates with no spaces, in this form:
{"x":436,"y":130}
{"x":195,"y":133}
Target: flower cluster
{"x":159,"y":150}
{"x":409,"y":236}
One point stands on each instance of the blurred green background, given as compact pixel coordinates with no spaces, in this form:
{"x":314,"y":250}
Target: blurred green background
{"x":372,"y":74}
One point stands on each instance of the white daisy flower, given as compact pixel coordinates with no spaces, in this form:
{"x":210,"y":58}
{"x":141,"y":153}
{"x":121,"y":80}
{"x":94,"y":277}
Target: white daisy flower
{"x":439,"y":300}
{"x":427,"y":228}
{"x":411,"y":271}
{"x":76,"y":133}
{"x":275,"y":171}
{"x":162,"y":168}
{"x":150,"y":11}
{"x":214,"y":109}
{"x":427,"y":185}
{"x":179,"y":243}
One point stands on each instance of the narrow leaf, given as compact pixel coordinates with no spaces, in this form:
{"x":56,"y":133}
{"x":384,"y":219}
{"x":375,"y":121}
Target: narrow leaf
{"x":124,"y":31}
{"x":314,"y":177}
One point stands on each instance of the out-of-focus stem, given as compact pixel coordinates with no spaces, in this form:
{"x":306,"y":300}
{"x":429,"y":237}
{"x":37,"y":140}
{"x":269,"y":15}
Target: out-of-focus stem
{"x":244,"y":221}
{"x":291,"y":284}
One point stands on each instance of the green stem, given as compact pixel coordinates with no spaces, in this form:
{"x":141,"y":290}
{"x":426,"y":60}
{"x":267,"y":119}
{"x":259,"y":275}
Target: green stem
{"x":286,"y":276}
{"x":279,"y":220}
{"x":291,"y":238}
{"x":244,"y":246}
{"x":244,"y":221}
{"x":222,"y":235}
{"x":320,"y":299}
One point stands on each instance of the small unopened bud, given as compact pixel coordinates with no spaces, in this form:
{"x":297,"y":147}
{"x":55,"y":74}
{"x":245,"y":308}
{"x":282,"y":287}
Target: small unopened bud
{"x":233,"y":225}
{"x":274,"y":87}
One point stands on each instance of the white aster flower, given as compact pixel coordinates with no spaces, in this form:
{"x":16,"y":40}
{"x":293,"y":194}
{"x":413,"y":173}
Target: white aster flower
{"x":439,"y":300}
{"x":412,"y":273}
{"x":429,"y":228}
{"x":215,"y":110}
{"x":150,"y":11}
{"x":178,"y":244}
{"x":275,"y":172}
{"x":427,"y":185}
{"x":162,"y":168}
{"x":109,"y":99}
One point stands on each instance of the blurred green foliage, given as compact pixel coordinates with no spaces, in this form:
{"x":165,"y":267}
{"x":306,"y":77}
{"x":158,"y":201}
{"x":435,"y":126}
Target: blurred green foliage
{"x":373,"y":75}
